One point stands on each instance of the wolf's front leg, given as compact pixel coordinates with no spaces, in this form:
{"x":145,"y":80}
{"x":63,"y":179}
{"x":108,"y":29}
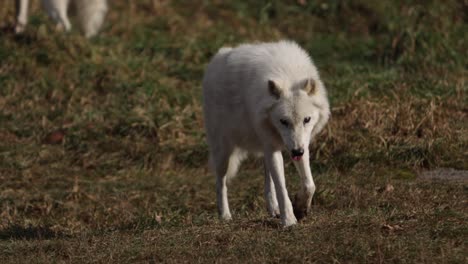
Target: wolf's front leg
{"x":303,"y":198}
{"x":21,"y":15}
{"x":274,"y":164}
{"x":270,"y":194}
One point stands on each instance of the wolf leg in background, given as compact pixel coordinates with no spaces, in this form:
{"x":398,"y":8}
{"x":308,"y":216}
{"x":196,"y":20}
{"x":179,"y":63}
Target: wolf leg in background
{"x":262,"y":99}
{"x":58,"y":10}
{"x":91,"y":14}
{"x":21,"y":15}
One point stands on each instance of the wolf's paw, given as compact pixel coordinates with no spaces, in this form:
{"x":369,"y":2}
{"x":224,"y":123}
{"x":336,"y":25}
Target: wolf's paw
{"x":289,"y":222}
{"x":225,"y":217}
{"x":300,"y":208}
{"x":19,"y":28}
{"x":300,"y":213}
{"x":274,"y":212}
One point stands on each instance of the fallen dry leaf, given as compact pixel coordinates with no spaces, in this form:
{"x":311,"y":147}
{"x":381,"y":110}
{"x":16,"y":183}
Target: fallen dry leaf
{"x":389,"y":188}
{"x":386,"y":189}
{"x":55,"y":137}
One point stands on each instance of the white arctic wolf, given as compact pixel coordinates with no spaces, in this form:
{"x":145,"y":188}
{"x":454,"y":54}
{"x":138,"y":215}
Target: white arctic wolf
{"x":91,"y":14}
{"x":261,"y":99}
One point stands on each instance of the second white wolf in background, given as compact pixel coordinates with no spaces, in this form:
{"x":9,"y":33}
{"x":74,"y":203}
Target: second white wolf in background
{"x":262,"y":99}
{"x":91,"y":14}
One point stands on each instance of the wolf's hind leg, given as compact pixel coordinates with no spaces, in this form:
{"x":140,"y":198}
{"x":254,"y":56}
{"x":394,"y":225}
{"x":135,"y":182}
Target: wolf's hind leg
{"x":225,"y":166}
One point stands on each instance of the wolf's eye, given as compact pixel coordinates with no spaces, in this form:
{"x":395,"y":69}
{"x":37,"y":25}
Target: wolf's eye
{"x":307,"y":120}
{"x":284,"y":122}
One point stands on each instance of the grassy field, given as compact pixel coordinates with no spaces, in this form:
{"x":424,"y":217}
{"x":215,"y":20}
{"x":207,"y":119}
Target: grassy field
{"x":103,"y":156}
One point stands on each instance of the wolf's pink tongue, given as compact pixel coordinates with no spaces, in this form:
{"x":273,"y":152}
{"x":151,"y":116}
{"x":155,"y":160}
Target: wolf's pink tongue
{"x":297,"y":158}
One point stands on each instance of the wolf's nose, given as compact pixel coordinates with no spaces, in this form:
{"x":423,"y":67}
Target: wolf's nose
{"x":297,"y":152}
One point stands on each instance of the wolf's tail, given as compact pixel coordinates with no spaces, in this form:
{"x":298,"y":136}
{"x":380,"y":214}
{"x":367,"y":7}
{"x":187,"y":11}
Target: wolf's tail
{"x":91,"y":14}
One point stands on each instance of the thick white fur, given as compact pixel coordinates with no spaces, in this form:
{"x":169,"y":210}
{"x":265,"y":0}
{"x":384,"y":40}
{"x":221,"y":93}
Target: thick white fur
{"x":243,"y":116}
{"x":90,"y":13}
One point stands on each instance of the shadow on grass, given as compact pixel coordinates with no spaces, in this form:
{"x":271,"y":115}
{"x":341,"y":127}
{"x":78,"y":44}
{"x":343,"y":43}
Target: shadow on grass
{"x":29,"y":232}
{"x":270,"y":223}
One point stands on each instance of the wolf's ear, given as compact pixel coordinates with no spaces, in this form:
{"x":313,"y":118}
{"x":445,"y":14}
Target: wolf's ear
{"x":309,"y":86}
{"x":274,"y":89}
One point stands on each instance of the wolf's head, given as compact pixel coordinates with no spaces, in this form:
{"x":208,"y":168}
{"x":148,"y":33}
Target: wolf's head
{"x":298,"y":113}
